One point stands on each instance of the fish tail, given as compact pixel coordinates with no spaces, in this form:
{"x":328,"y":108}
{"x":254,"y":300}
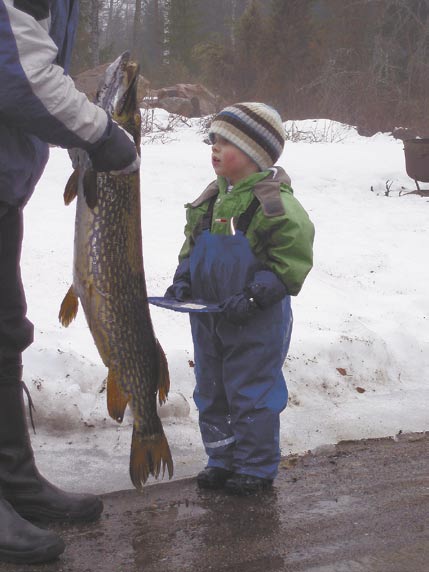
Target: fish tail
{"x":164,"y":376}
{"x":69,"y":307}
{"x":116,"y":400}
{"x":147,"y":457}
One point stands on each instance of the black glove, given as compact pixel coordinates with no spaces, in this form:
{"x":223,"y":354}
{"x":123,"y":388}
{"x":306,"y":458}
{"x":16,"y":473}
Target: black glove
{"x":116,"y":153}
{"x":238,"y":309}
{"x":266,"y":289}
{"x":181,"y":288}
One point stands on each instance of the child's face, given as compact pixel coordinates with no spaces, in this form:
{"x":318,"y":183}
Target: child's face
{"x":230,"y":162}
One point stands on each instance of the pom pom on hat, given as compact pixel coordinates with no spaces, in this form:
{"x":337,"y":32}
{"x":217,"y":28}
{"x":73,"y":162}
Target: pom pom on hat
{"x":255,"y":128}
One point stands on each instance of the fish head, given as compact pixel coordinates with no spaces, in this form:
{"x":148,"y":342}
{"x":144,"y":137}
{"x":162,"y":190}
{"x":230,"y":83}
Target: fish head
{"x":127,"y":110}
{"x":117,"y":95}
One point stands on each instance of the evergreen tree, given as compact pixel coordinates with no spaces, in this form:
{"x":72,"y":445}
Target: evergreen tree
{"x":86,"y":49}
{"x":182,"y":34}
{"x":216,"y":64}
{"x":136,"y":37}
{"x":218,"y":19}
{"x":215,"y":54}
{"x":153,"y":38}
{"x":249,"y":59}
{"x":289,"y":53}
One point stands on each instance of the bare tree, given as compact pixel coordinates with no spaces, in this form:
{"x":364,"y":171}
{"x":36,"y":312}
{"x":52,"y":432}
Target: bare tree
{"x":94,"y":33}
{"x":135,"y":48}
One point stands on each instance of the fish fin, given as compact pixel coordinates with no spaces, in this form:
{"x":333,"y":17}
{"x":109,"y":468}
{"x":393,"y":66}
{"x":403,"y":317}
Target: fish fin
{"x":69,"y":307}
{"x":70,"y":192}
{"x":163,"y":375}
{"x":116,"y":400}
{"x":90,"y":188}
{"x":147,"y":457}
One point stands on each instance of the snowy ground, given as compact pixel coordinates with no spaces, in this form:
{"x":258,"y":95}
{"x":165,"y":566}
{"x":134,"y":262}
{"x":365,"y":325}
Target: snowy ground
{"x":358,"y":363}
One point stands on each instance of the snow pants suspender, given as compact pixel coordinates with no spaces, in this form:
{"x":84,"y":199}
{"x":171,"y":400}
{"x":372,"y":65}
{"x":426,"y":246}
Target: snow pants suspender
{"x":243,"y":221}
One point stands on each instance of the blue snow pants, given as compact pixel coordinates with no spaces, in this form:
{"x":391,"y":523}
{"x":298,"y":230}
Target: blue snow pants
{"x":240,"y":388}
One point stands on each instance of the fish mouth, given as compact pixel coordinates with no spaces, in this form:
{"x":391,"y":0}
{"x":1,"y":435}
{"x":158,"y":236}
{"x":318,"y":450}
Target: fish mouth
{"x":117,"y":93}
{"x":127,"y":97}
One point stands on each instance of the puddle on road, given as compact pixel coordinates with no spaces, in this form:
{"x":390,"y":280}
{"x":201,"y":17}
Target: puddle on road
{"x":364,"y":564}
{"x":342,"y":503}
{"x":174,"y":511}
{"x":155,"y":528}
{"x":233,"y":531}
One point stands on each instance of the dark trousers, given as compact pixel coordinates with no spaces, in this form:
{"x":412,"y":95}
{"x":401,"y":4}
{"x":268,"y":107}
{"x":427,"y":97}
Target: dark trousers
{"x":16,"y":332}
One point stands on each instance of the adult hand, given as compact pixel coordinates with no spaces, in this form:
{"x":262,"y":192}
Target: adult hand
{"x":131,"y":168}
{"x":117,"y":153}
{"x":79,"y":158}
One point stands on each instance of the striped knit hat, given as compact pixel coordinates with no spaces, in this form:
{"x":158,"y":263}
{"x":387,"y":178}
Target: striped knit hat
{"x":255,"y":128}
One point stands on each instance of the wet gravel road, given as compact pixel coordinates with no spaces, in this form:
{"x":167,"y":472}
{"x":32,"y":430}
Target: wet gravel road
{"x":357,"y":507}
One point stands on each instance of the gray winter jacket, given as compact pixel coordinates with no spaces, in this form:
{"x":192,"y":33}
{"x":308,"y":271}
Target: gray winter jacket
{"x":39,"y":103}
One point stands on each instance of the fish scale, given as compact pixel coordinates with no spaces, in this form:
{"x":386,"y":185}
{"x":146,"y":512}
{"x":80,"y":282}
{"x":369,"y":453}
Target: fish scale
{"x":109,"y":282}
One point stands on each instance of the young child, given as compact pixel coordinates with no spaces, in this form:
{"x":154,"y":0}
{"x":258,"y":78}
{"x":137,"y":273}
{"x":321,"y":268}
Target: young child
{"x":249,"y":247}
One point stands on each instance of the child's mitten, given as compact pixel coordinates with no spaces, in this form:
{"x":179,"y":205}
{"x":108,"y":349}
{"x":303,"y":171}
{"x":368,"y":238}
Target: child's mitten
{"x":266,"y":289}
{"x":238,"y":309}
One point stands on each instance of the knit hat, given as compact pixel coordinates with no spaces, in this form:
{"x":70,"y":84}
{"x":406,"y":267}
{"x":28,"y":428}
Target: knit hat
{"x":255,"y":128}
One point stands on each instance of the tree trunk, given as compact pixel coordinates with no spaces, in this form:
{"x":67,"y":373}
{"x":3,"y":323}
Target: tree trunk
{"x":233,"y":23}
{"x":94,"y":41}
{"x":135,"y":49}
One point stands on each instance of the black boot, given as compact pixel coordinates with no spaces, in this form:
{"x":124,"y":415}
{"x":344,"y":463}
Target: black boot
{"x":23,"y":543}
{"x":31,"y":495}
{"x":213,"y":478}
{"x":244,"y":485}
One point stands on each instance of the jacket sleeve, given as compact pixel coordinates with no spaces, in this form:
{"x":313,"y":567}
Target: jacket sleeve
{"x":35,"y":94}
{"x":290,"y":246}
{"x":193,"y":216}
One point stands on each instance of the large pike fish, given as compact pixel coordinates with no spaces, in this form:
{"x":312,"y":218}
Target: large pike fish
{"x":109,"y":281}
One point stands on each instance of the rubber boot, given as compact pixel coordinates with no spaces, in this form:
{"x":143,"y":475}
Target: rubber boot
{"x":23,"y":543}
{"x":213,"y":478}
{"x":30,"y":494}
{"x":244,"y":485}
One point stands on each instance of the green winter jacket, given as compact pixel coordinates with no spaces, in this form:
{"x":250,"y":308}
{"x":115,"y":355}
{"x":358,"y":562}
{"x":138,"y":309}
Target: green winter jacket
{"x":280,"y":233}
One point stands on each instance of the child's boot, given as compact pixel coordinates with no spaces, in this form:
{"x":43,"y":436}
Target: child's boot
{"x":213,"y":478}
{"x":244,"y":485}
